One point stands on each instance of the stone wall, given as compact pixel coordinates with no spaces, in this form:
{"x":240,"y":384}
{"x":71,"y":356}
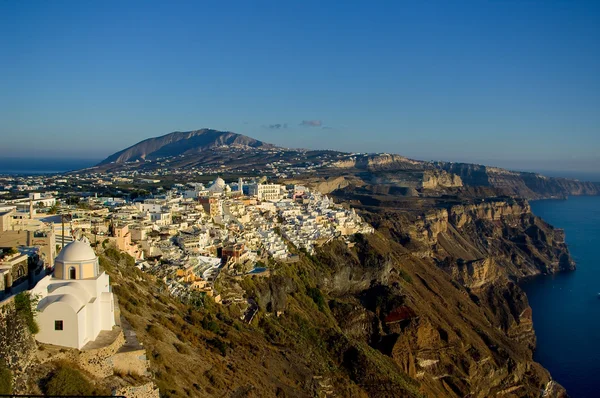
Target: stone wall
{"x":131,"y":362}
{"x":147,"y":390}
{"x":98,"y":362}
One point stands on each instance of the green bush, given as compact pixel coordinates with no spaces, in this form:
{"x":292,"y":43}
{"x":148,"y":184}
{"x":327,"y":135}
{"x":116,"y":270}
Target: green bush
{"x":5,"y":380}
{"x":210,"y":325}
{"x":315,"y":294}
{"x":113,"y":254}
{"x":105,"y":264}
{"x":219,"y":344}
{"x":117,"y":256}
{"x":69,"y":381}
{"x":25,"y":307}
{"x":404,"y":275}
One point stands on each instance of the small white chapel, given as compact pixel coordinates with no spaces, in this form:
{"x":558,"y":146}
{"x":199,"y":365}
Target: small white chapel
{"x":76,"y":302}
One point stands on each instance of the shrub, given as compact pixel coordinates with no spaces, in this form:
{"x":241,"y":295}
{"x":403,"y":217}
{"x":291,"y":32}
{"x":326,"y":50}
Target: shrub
{"x":210,"y":325}
{"x":5,"y":380}
{"x":105,"y":264}
{"x":181,"y":348}
{"x":404,"y":275}
{"x":218,"y":344}
{"x":315,"y":294}
{"x":69,"y":381}
{"x":113,"y":254}
{"x":155,"y":332}
{"x":25,"y":307}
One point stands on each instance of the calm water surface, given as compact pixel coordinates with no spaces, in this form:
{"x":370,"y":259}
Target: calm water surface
{"x":34,"y":166}
{"x":566,"y":307}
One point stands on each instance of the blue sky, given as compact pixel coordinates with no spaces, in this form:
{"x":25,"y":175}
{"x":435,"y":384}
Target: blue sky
{"x":509,"y":83}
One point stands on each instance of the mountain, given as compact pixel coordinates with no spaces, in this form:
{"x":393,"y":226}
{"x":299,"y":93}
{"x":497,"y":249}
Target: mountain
{"x":183,"y":143}
{"x":206,"y":150}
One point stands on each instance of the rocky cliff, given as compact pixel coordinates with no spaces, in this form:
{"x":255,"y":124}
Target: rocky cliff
{"x":471,"y":331}
{"x":522,"y":184}
{"x":500,"y":232}
{"x":433,"y":179}
{"x":379,"y":162}
{"x":401,"y":171}
{"x":436,"y":293}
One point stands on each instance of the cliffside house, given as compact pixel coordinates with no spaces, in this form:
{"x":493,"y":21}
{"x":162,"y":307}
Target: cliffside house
{"x":76,"y":302}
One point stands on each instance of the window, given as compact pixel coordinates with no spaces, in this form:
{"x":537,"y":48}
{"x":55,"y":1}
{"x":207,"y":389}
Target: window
{"x":72,"y":274}
{"x":58,"y":325}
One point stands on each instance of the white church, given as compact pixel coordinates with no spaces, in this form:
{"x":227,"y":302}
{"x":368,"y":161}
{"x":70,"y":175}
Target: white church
{"x":76,"y":302}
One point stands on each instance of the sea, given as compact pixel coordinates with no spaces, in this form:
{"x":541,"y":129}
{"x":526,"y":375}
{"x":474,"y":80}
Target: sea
{"x":566,"y":306}
{"x":35,"y":166}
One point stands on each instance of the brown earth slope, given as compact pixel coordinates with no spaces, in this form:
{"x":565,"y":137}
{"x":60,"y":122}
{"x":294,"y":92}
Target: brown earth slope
{"x":428,"y":306}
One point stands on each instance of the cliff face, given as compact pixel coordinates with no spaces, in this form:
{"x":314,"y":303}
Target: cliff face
{"x":436,"y":293}
{"x":468,"y":239}
{"x":461,"y":325}
{"x":522,"y":184}
{"x":459,"y":332}
{"x":401,"y":171}
{"x":379,"y":162}
{"x":440,"y":179}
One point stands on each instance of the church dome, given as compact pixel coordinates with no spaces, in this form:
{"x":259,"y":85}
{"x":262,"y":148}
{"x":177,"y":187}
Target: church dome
{"x":76,"y":260}
{"x":76,"y":251}
{"x":218,"y":185}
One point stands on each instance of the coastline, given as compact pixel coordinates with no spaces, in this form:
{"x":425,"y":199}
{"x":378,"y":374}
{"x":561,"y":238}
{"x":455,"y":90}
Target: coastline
{"x":565,"y":304}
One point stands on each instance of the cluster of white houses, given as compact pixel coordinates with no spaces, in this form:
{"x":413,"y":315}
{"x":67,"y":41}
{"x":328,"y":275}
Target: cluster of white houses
{"x":186,"y":236}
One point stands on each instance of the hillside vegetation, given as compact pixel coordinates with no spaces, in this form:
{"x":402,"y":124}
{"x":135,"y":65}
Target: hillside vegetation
{"x":379,"y":319}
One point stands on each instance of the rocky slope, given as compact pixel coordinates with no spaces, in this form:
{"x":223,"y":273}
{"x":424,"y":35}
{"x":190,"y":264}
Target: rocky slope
{"x":483,"y":249}
{"x":183,"y":143}
{"x":427,"y":306}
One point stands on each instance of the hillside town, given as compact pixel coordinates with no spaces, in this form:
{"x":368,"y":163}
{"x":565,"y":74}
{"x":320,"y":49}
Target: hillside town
{"x":186,"y":235}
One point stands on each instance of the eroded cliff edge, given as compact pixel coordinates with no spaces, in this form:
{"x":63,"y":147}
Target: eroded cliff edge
{"x":436,"y":292}
{"x":461,"y":325}
{"x":426,"y":306}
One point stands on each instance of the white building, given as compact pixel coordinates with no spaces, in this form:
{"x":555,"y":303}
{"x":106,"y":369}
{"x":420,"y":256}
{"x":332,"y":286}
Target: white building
{"x":218,"y":186}
{"x":266,"y":191}
{"x":151,"y":206}
{"x":76,"y":303}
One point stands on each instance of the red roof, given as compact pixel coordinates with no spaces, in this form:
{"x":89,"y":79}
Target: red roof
{"x":399,"y":314}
